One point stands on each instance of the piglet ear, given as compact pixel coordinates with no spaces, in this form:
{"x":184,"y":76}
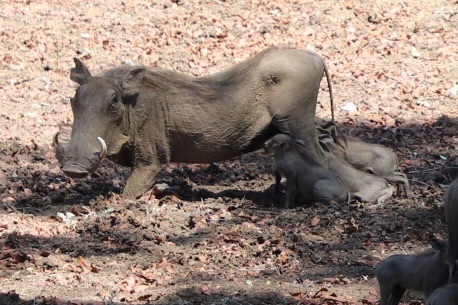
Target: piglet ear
{"x":80,"y":72}
{"x":131,"y":83}
{"x":437,"y":244}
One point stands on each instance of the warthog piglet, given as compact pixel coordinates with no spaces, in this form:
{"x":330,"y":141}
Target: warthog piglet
{"x":372,"y":158}
{"x":424,"y":272}
{"x":446,"y":295}
{"x":304,"y":176}
{"x":451,"y":217}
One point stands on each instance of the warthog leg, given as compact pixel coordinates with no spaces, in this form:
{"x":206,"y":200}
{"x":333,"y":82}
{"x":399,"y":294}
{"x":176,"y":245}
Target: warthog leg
{"x":141,"y":180}
{"x":401,"y":179}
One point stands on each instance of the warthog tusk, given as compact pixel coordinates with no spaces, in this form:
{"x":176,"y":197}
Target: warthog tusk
{"x":55,"y":139}
{"x":103,"y":153}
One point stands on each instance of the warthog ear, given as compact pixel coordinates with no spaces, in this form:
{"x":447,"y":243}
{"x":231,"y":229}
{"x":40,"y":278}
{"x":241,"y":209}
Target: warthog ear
{"x":322,"y":131}
{"x":331,"y":129}
{"x":131,"y":83}
{"x":325,"y":139}
{"x":80,"y":73}
{"x":339,"y":137}
{"x":437,"y":244}
{"x":324,"y":146}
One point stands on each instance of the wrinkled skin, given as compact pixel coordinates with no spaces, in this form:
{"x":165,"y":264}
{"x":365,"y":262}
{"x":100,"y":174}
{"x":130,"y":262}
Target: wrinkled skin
{"x":372,"y":158}
{"x":424,"y":272}
{"x":446,"y":295}
{"x":451,"y":217}
{"x":149,"y":118}
{"x":304,"y":176}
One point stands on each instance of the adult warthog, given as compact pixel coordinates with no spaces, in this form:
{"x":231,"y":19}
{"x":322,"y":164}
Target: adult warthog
{"x":145,"y":118}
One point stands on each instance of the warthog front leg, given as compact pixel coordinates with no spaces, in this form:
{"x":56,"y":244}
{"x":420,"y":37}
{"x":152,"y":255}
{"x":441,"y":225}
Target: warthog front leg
{"x":400,"y":178}
{"x":277,"y":182}
{"x":390,"y":294}
{"x":141,"y":180}
{"x":291,"y":191}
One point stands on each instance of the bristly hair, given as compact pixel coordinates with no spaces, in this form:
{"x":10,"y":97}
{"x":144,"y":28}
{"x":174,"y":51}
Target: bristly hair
{"x":210,"y":86}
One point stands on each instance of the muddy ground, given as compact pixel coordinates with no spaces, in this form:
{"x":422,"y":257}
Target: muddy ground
{"x":218,"y":234}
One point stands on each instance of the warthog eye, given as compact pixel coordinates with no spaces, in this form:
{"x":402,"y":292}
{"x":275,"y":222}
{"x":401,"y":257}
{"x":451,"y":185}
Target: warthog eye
{"x":72,"y":100}
{"x":114,"y":105}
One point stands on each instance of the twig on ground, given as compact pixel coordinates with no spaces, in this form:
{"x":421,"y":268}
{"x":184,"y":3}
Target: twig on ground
{"x":39,"y":296}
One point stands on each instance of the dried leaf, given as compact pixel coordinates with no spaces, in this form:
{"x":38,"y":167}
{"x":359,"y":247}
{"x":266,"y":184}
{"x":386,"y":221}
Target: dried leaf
{"x":83,"y":264}
{"x":315,"y":221}
{"x":206,"y":289}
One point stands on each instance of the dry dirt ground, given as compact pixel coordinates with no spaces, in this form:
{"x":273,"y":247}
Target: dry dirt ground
{"x":218,"y":234}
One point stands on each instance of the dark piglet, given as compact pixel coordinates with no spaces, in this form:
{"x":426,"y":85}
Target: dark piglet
{"x":445,"y":295}
{"x":424,"y":272}
{"x":451,"y":217}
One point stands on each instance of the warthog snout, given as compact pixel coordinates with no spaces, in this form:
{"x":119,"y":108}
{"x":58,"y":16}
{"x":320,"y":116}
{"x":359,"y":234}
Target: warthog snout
{"x":75,"y":163}
{"x":75,"y":170}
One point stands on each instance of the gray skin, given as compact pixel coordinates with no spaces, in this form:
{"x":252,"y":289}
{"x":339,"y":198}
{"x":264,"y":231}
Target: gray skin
{"x":304,"y":176}
{"x":424,"y":272}
{"x":372,"y":158}
{"x":446,"y":295}
{"x":148,"y":118}
{"x":451,"y":217}
{"x":362,"y":185}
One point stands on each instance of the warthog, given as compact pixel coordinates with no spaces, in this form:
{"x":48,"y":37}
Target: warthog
{"x":372,"y":158}
{"x":424,"y":271}
{"x":446,"y":295}
{"x":303,"y":175}
{"x":145,"y":118}
{"x":451,"y":217}
{"x":361,"y":185}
